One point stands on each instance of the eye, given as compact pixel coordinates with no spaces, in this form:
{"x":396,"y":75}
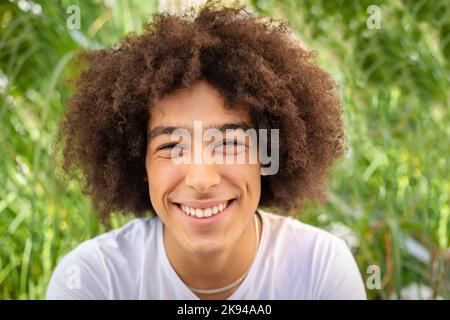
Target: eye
{"x":167,"y":146}
{"x":230,"y":146}
{"x":231,"y":143}
{"x":171,"y":150}
{"x":170,"y":146}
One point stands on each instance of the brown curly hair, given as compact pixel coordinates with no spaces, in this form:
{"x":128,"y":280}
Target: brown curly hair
{"x":253,"y":62}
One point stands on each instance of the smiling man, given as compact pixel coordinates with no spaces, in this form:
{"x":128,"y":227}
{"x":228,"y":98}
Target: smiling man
{"x":215,"y":244}
{"x":132,"y":127}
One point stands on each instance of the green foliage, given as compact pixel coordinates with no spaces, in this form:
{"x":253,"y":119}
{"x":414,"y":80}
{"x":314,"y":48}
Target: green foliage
{"x":392,"y":189}
{"x":42,"y":214}
{"x":389,"y":196}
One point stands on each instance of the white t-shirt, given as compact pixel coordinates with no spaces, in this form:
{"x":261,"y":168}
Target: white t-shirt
{"x":294,"y":261}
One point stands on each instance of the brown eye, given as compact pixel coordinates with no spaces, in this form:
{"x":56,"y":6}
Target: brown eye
{"x":230,"y":146}
{"x":167,"y":146}
{"x":231,"y":143}
{"x":171,"y":150}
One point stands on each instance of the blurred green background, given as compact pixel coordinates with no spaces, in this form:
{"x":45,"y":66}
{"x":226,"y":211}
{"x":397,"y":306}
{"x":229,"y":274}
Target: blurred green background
{"x":388,"y":197}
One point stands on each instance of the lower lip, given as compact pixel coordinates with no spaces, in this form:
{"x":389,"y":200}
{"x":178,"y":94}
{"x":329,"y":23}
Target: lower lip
{"x":209,"y":220}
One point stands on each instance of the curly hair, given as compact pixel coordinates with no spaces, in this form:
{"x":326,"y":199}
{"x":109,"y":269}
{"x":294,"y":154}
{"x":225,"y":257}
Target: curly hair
{"x":253,"y":62}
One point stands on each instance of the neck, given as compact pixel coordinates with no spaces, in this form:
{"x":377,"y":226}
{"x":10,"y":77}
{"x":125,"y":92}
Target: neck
{"x":213,"y":270}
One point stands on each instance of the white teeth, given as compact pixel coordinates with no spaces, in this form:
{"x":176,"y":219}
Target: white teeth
{"x":199,"y":213}
{"x":203,"y":213}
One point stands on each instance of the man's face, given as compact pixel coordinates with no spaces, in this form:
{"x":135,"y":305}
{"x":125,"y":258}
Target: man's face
{"x":176,"y":188}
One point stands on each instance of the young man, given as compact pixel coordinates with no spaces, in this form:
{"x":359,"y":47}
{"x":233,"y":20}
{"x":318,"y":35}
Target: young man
{"x":159,"y":125}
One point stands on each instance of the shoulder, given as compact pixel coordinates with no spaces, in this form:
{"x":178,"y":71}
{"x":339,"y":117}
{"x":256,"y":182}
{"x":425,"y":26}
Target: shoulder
{"x":320,"y":263}
{"x":291,"y":230}
{"x":121,"y":244}
{"x":127,"y":240}
{"x":87,"y":272}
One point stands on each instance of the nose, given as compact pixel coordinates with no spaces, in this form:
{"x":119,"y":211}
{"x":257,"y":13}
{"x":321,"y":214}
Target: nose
{"x":202,"y":177}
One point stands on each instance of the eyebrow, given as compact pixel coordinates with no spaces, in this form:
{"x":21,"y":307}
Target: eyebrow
{"x":161,"y":130}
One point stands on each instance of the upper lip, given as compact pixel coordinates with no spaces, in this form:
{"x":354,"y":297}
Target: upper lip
{"x":204,"y":204}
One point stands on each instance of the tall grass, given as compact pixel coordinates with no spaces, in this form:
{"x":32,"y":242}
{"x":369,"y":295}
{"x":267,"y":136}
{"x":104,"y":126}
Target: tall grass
{"x":389,"y":196}
{"x":43,"y":216}
{"x":392,"y":190}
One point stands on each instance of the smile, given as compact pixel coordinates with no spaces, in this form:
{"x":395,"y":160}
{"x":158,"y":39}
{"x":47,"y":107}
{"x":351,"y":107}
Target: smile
{"x":205,"y":211}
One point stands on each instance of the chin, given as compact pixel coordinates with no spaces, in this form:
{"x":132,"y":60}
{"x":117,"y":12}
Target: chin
{"x":202,"y":249}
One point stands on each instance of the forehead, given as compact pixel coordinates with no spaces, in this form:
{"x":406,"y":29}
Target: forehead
{"x":200,"y":102}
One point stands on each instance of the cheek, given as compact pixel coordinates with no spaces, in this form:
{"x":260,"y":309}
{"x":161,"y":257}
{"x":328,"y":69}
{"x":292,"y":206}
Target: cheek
{"x":163,"y":176}
{"x":253,"y":181}
{"x":247,"y":177}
